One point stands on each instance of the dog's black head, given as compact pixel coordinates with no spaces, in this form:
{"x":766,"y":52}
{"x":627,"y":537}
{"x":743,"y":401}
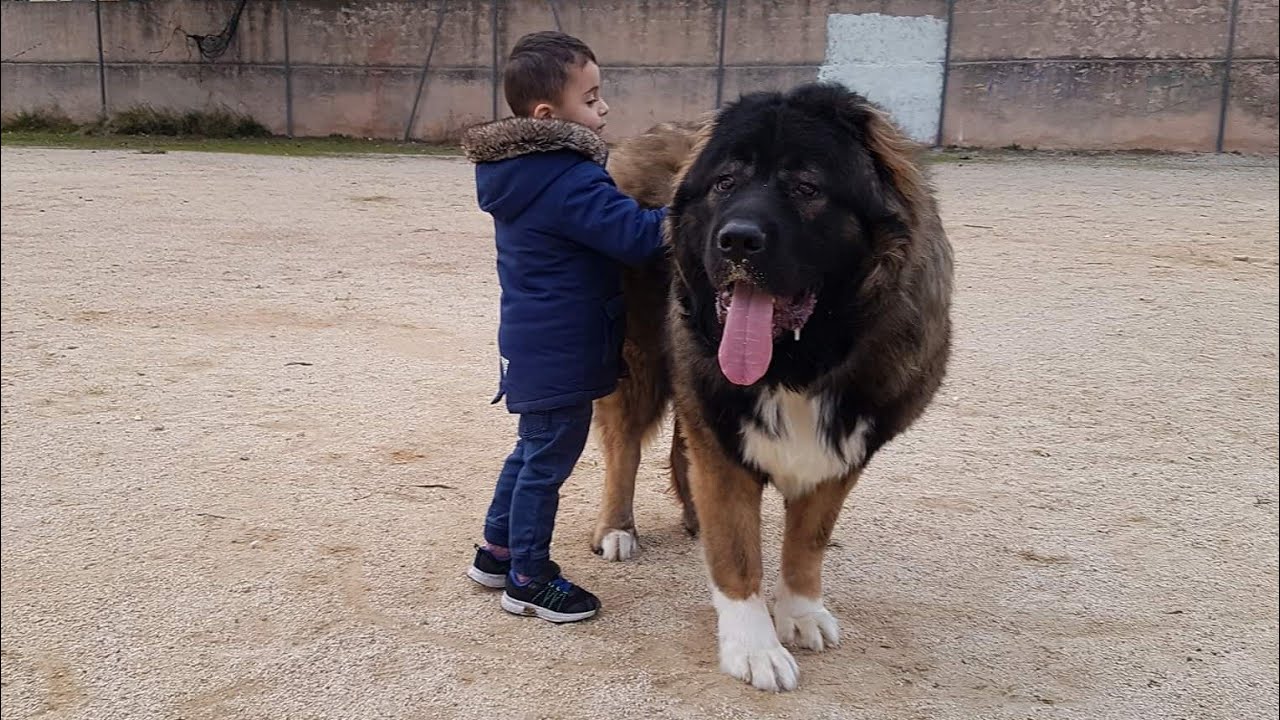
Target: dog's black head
{"x":779,"y":215}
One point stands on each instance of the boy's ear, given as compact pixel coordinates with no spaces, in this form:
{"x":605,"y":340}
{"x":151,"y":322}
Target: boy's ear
{"x":542,"y":111}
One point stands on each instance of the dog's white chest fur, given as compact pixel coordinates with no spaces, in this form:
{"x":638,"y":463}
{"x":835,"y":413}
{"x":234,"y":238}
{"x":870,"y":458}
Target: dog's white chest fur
{"x":795,"y":446}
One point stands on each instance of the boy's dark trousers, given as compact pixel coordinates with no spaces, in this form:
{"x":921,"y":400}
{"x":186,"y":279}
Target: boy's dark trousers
{"x":522,"y":515}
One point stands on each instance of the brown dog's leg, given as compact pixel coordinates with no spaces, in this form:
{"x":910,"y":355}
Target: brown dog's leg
{"x":728,"y":500}
{"x":615,"y":534}
{"x":801,"y":617}
{"x":680,"y":479}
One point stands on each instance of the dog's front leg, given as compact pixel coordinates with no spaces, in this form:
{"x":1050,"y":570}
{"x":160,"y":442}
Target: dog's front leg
{"x":728,"y":501}
{"x":802,"y":617}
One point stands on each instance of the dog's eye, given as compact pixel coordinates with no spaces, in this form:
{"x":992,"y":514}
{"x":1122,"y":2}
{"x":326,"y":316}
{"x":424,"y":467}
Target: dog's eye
{"x":805,"y":190}
{"x":724,"y":183}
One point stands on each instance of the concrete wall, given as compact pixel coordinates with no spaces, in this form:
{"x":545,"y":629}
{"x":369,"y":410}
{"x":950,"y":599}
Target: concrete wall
{"x":1094,"y":74}
{"x":1051,"y":74}
{"x":897,"y":62}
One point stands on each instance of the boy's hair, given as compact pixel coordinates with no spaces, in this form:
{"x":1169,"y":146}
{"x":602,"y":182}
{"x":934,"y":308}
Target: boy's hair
{"x":538,"y":69}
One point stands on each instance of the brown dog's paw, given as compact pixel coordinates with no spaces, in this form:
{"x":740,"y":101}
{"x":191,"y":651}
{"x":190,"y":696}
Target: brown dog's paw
{"x":615,"y":545}
{"x":690,"y":521}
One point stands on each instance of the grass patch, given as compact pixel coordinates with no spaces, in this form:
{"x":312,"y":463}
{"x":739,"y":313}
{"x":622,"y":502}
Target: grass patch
{"x":141,"y":120}
{"x":214,"y":124}
{"x":305,"y":147}
{"x":40,"y":120}
{"x":153,"y":131}
{"x":297,"y":147}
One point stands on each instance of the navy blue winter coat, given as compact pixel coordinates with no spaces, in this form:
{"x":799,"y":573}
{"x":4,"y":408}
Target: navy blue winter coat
{"x":563,"y":232}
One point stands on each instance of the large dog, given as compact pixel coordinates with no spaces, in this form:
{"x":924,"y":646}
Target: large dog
{"x":803,"y":322}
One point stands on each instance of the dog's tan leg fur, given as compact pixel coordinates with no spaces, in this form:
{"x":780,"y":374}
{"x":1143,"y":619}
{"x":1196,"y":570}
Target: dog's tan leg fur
{"x":810,"y":521}
{"x":728,"y":500}
{"x":615,"y":534}
{"x":680,"y":479}
{"x":626,"y":420}
{"x":801,"y":617}
{"x":727,"y":497}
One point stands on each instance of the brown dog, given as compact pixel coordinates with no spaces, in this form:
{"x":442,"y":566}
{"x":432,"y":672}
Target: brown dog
{"x":803,"y":323}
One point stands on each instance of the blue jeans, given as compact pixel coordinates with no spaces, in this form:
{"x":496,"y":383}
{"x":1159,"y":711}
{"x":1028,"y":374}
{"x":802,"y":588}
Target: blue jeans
{"x":522,"y":515}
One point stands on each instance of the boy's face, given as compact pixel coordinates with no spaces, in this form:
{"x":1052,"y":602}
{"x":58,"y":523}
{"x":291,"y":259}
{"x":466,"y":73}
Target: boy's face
{"x":581,"y":101}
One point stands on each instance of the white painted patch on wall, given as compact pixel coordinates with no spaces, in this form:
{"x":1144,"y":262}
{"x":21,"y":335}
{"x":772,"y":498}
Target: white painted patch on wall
{"x":896,"y":62}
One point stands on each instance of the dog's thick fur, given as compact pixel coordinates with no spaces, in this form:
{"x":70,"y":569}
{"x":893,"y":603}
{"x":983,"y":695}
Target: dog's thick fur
{"x":849,"y":221}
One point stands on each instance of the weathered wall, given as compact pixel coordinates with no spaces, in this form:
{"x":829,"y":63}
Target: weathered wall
{"x":898,"y":62}
{"x":1253,"y":97}
{"x":1088,"y":73}
{"x":1054,"y":74}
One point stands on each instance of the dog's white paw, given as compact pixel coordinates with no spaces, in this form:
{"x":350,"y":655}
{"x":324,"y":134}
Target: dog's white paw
{"x":749,"y":647}
{"x":816,"y":630}
{"x":618,"y":545}
{"x":804,"y":622}
{"x":770,"y":669}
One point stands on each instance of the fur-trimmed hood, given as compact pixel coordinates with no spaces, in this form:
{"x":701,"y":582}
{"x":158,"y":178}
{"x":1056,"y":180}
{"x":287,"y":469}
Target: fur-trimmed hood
{"x":562,"y":232}
{"x":517,"y":136}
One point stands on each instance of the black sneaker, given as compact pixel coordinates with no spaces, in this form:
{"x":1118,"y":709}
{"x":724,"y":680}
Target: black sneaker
{"x":550,"y":597}
{"x":488,"y":570}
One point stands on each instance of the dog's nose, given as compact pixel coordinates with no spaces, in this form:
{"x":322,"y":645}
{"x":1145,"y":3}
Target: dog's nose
{"x":740,"y":238}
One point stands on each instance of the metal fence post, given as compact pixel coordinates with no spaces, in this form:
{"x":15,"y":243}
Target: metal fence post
{"x":493,"y":72}
{"x":426,"y":67}
{"x":102,"y":63}
{"x":288,"y":73}
{"x":946,"y":72}
{"x":1226,"y":76}
{"x":555,"y":15}
{"x":724,"y":21}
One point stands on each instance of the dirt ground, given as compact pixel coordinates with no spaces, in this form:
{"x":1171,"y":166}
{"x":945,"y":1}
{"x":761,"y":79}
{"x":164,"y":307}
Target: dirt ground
{"x":247,"y":446}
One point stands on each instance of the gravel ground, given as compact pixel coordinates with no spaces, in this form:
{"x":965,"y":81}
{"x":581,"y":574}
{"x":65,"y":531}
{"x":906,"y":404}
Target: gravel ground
{"x":247,"y":446}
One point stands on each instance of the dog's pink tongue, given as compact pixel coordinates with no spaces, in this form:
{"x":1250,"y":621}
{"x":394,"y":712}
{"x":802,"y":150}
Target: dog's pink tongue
{"x":747,"y":344}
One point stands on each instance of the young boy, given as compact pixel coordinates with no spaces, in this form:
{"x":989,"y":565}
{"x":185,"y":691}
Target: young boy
{"x":563,"y":231}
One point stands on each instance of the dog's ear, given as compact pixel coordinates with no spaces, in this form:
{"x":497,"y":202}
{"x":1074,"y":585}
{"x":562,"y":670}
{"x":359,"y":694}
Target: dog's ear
{"x":894,"y":191}
{"x":896,"y":158}
{"x":885,"y":161}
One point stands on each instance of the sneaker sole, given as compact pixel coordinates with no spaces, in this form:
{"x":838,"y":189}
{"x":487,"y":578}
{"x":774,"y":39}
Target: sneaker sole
{"x":519,"y":607}
{"x":489,"y":580}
